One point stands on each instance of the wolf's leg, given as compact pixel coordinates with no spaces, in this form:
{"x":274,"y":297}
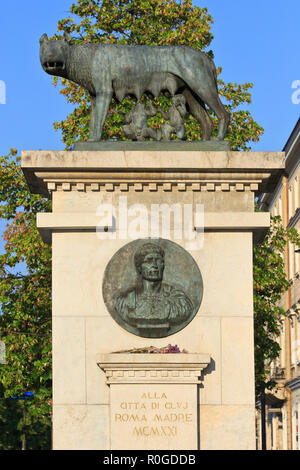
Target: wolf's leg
{"x":92,"y":117}
{"x":214,"y":102}
{"x":209,"y":95}
{"x":198,"y":110}
{"x":207,"y":91}
{"x":102,"y":103}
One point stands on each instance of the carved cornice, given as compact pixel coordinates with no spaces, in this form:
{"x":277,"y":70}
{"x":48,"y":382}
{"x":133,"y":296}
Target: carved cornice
{"x":141,"y":186}
{"x":48,"y":171}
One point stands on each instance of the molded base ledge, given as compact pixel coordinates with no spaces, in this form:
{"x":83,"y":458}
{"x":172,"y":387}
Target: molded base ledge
{"x":258,"y":223}
{"x":153,"y":368}
{"x":218,"y":145}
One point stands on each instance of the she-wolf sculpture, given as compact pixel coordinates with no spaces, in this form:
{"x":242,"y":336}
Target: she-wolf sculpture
{"x":107,"y":70}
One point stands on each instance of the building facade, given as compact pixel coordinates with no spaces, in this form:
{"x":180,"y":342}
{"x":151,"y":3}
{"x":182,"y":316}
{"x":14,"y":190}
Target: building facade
{"x":283,"y":404}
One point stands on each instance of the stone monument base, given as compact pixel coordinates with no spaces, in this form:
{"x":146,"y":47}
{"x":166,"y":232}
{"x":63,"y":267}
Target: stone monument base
{"x":108,"y":401}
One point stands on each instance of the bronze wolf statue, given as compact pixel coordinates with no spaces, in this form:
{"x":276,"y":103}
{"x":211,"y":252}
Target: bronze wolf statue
{"x":107,"y":70}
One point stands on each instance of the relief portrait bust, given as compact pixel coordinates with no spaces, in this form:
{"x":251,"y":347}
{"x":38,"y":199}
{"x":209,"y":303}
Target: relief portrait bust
{"x":152,"y":305}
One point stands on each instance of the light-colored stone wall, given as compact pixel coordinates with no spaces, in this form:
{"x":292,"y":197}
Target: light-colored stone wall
{"x":82,"y":326}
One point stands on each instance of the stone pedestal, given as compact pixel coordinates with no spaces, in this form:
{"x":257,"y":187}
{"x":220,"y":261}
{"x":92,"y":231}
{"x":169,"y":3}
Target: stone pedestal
{"x":154,"y":399}
{"x":92,"y":386}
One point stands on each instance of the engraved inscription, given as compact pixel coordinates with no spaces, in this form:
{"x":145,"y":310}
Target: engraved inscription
{"x":154,"y":415}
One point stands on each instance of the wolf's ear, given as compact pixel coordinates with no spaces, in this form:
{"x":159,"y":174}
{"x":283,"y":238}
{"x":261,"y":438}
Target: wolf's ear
{"x":43,"y":38}
{"x":67,"y":37}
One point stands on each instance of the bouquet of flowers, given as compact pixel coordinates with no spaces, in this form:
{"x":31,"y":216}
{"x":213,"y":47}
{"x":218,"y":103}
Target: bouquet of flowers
{"x":154,"y":350}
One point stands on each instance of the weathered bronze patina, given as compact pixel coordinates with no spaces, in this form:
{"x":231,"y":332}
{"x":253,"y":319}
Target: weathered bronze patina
{"x":107,"y":70}
{"x":136,"y":127}
{"x":152,"y":288}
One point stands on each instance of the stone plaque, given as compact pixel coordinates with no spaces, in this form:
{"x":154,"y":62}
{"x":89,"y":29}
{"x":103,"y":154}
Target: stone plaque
{"x":161,"y":416}
{"x":152,"y":288}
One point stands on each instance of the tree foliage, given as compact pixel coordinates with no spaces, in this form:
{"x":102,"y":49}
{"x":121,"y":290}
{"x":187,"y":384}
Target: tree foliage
{"x":25,"y":320}
{"x":269,"y":282}
{"x":150,"y":22}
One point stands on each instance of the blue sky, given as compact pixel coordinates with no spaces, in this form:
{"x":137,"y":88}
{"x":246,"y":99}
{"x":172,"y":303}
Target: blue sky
{"x":253,"y":41}
{"x":256,"y":41}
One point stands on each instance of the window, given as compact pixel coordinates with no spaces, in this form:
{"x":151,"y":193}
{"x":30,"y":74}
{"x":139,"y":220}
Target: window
{"x":291,"y":202}
{"x":296,"y":193}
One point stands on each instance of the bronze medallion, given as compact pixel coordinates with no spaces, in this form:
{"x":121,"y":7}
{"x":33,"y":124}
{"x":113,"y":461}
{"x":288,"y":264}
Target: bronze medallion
{"x":152,"y":288}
